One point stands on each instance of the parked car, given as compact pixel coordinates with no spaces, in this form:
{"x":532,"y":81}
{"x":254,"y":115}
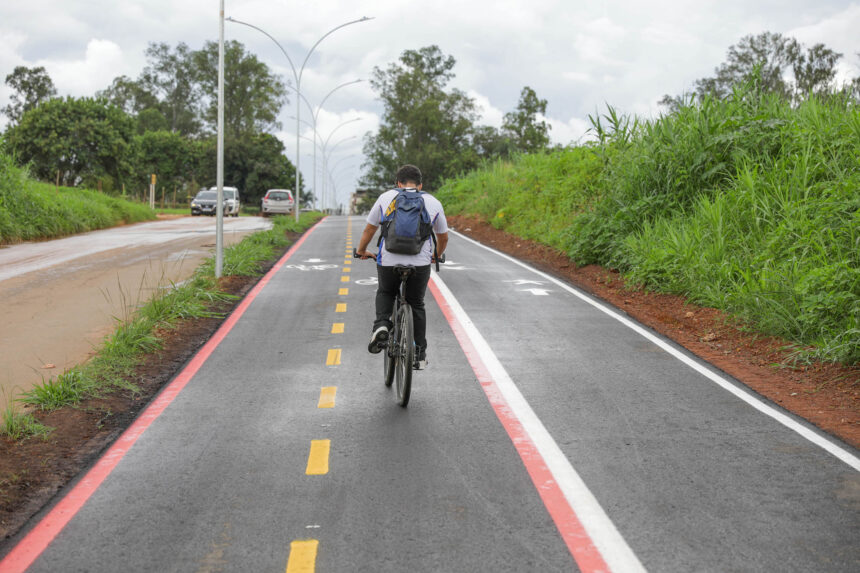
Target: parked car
{"x":205,"y":200}
{"x":277,"y":201}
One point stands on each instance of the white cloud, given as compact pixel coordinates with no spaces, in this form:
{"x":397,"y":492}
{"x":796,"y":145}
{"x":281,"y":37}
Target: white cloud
{"x":83,"y":77}
{"x":490,"y":115}
{"x":576,"y":55}
{"x":571,"y":131}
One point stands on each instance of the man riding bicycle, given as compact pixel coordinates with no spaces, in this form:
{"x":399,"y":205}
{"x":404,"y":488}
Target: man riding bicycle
{"x":408,"y":179}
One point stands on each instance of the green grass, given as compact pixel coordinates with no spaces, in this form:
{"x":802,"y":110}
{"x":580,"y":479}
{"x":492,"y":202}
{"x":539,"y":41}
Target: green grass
{"x":114,"y":364}
{"x":19,"y":425}
{"x":67,"y":388}
{"x":748,"y":204}
{"x":31,"y":210}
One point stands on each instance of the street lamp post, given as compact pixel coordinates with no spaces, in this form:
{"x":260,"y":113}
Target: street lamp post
{"x":219,"y":169}
{"x":298,"y":78}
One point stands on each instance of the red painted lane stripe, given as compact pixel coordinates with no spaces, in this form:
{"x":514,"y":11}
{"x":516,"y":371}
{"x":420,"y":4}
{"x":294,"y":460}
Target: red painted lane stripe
{"x":34,"y":543}
{"x":578,"y":542}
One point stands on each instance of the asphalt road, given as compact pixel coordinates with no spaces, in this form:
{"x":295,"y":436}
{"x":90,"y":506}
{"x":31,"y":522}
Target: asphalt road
{"x":547,"y":435}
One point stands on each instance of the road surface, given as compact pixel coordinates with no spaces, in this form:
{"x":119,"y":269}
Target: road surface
{"x":60,"y":297}
{"x":549,"y":433}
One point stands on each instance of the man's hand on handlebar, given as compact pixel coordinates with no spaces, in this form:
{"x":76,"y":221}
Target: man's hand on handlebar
{"x":363,"y":254}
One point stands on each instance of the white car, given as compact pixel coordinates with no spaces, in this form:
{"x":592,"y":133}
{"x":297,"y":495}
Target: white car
{"x":277,"y":201}
{"x":231,"y":201}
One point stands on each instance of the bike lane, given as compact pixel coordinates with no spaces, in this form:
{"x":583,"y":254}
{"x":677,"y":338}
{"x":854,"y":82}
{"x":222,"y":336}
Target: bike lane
{"x":692,"y":477}
{"x":284,"y":449}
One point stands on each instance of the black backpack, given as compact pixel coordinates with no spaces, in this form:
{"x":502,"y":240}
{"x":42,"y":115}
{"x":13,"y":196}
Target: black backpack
{"x":406,"y":224}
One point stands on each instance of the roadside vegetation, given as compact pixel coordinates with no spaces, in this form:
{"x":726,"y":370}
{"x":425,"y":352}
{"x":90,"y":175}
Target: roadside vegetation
{"x":32,"y":210}
{"x":113,"y":367}
{"x":748,"y":203}
{"x":162,"y":123}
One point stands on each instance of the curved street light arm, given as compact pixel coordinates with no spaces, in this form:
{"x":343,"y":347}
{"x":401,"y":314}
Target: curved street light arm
{"x":295,"y":74}
{"x":338,"y":127}
{"x":328,"y":153}
{"x":319,"y":107}
{"x":327,"y":34}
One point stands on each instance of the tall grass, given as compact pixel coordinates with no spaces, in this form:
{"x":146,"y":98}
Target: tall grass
{"x":746,"y":204}
{"x":535,"y":196}
{"x":32,"y":210}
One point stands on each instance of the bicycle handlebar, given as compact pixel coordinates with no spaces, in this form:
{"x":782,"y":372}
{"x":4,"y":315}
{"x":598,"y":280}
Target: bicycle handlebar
{"x":374,"y":255}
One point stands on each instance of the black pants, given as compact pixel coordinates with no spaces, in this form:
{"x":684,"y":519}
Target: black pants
{"x":416,"y":286}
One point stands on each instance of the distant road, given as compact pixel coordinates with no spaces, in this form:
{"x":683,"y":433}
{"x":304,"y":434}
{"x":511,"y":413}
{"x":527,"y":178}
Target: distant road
{"x":60,"y":297}
{"x":16,"y":260}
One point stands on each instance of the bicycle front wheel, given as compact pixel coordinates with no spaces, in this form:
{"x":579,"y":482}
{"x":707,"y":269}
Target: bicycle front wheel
{"x":404,"y":355}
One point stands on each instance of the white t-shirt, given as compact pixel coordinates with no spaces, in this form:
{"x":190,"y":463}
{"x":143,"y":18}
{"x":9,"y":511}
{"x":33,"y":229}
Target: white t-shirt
{"x":437,"y":217}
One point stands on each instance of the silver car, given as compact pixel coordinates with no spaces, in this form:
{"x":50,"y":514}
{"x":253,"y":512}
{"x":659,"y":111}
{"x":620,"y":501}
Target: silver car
{"x":205,"y":201}
{"x":277,"y":201}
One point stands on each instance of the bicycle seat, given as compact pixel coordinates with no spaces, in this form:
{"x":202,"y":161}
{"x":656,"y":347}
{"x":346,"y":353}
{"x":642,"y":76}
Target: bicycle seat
{"x":404,"y":271}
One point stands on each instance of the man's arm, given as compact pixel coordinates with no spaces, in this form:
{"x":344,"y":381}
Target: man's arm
{"x":441,"y":243}
{"x":366,"y":236}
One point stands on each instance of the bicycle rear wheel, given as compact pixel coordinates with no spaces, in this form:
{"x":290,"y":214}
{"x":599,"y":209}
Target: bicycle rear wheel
{"x":390,"y":351}
{"x":404,"y":354}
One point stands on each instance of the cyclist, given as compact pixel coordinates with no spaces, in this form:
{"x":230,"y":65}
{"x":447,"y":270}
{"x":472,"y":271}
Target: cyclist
{"x":409,"y":179}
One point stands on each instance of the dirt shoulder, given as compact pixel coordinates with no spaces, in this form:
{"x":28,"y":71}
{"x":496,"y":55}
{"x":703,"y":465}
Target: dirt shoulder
{"x":828,"y":395}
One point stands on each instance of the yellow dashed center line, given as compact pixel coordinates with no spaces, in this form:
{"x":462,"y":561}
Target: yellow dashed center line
{"x":337,"y":328}
{"x":318,"y":458}
{"x":327,"y":395}
{"x":333,"y":358}
{"x":341,"y":307}
{"x":344,"y":279}
{"x":303,"y":556}
{"x":343,"y":291}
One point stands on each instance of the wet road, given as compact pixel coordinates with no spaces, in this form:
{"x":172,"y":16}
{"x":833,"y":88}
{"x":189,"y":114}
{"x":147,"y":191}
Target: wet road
{"x":550,"y":433}
{"x":60,"y":297}
{"x":16,"y":260}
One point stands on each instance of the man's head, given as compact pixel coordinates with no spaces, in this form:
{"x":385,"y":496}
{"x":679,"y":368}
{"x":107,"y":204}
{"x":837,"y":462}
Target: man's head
{"x":408,"y":176}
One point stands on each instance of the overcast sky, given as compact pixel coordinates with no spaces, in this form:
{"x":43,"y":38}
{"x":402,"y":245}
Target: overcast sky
{"x":576,"y":55}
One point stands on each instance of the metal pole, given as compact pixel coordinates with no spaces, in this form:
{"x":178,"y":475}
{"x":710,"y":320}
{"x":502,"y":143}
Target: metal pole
{"x":219,"y":177}
{"x":298,"y":116}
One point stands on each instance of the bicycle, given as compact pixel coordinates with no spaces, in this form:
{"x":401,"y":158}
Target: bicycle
{"x":399,"y":349}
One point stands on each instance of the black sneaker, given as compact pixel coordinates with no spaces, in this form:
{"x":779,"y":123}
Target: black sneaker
{"x":420,"y":359}
{"x":379,"y":335}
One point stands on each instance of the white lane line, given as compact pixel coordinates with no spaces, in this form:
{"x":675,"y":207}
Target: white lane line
{"x":820,"y":441}
{"x":525,"y":426}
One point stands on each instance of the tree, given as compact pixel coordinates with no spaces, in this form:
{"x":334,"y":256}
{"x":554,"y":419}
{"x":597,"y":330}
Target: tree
{"x":490,"y":143}
{"x":253,"y":163}
{"x":32,"y":86}
{"x":169,"y":77}
{"x":253,"y":96}
{"x":129,"y":95}
{"x":815,"y":70}
{"x":527,"y":134}
{"x":773,"y":59}
{"x":422,"y":123}
{"x":770,"y":51}
{"x":85,"y":139}
{"x":166,"y":154}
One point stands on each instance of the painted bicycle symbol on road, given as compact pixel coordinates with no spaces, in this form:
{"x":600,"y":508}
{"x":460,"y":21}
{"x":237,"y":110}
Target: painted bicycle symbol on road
{"x":311,"y":267}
